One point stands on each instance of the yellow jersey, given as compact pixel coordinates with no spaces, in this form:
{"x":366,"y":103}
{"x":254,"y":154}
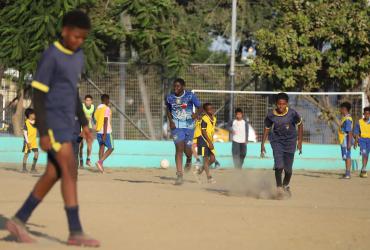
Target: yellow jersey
{"x":364,"y":128}
{"x":209,"y":124}
{"x":197,"y":130}
{"x":31,"y":139}
{"x":99,"y":116}
{"x":343,"y":128}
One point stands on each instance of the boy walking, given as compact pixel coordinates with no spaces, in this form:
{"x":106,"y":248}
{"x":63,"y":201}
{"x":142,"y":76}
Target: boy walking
{"x":206,"y":148}
{"x":30,"y":140}
{"x":345,"y":137}
{"x":56,"y":103}
{"x":281,"y":124}
{"x":362,"y":138}
{"x":89,"y":109}
{"x":239,"y":132}
{"x":180,"y":104}
{"x":103,"y":118}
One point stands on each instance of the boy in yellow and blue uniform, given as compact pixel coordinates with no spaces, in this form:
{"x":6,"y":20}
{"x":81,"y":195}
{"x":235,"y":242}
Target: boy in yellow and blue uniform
{"x":345,"y":136}
{"x":56,"y":103}
{"x":362,"y":138}
{"x":206,"y":148}
{"x":30,"y":140}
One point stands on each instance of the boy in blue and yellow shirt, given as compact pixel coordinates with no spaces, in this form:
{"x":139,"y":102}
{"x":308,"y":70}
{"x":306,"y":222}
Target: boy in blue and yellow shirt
{"x":57,"y":103}
{"x":345,"y":136}
{"x":362,"y":138}
{"x":30,"y":140}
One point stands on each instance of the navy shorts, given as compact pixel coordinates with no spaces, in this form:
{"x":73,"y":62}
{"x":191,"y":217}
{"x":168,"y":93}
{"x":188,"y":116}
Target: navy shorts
{"x":183,"y":135}
{"x":283,"y":160}
{"x":59,"y":136}
{"x":346,"y":154}
{"x":203,"y":149}
{"x":364,"y":146}
{"x":108,"y":140}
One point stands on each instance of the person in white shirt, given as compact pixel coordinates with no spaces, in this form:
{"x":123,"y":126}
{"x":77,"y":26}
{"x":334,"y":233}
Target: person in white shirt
{"x":239,"y":129}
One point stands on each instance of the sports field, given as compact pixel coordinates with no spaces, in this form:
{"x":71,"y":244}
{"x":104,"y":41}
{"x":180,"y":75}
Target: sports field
{"x":142,"y":209}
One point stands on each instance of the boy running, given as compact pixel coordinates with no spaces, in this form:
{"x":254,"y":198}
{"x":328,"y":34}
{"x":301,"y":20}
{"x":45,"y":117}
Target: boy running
{"x":362,"y":138}
{"x":206,"y":148}
{"x":103,"y":118}
{"x":89,"y":109}
{"x":30,"y":140}
{"x":345,"y":137}
{"x":56,"y":103}
{"x":281,"y":124}
{"x":180,"y":104}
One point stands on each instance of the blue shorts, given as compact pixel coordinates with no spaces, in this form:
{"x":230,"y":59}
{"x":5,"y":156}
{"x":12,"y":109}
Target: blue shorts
{"x":59,"y":136}
{"x":346,"y":154}
{"x":183,"y":135}
{"x":283,"y":160}
{"x":108,"y":140}
{"x":364,"y":146}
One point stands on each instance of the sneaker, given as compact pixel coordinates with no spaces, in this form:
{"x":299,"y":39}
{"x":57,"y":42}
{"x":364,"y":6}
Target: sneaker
{"x":19,"y":231}
{"x":24,"y":170}
{"x":347,"y":176}
{"x":197,"y":174}
{"x":179,"y":180}
{"x":280,"y":193}
{"x":363,"y":174}
{"x":287,"y":191}
{"x":88,"y":163}
{"x":33,"y":171}
{"x":187,"y":167}
{"x":82,"y":240}
{"x":210,"y":180}
{"x":99,"y":165}
{"x":217,"y":164}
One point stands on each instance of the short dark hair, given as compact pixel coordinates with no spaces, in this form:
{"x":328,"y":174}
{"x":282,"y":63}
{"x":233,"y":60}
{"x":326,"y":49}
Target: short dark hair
{"x":88,"y":96}
{"x":104,"y":97}
{"x":282,"y":96}
{"x":206,"y":105}
{"x":346,"y":105}
{"x":28,"y":112}
{"x":238,"y":110}
{"x":76,"y":19}
{"x":179,"y":80}
{"x":367,"y":109}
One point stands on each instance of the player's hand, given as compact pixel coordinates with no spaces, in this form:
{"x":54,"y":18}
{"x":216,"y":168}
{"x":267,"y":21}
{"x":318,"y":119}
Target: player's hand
{"x":45,"y":143}
{"x":299,"y":147}
{"x":86,"y":133}
{"x":263,"y":151}
{"x":172,"y":125}
{"x":211,"y":146}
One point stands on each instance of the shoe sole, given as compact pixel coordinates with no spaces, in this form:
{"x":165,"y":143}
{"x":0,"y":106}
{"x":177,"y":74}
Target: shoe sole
{"x":80,"y":244}
{"x":18,"y":232}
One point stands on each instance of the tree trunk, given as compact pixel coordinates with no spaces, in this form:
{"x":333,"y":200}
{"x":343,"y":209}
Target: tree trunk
{"x":146,"y":103}
{"x":18,"y":115}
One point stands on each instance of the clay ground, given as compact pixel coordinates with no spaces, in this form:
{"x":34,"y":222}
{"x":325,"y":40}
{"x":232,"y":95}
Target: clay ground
{"x":142,"y":209}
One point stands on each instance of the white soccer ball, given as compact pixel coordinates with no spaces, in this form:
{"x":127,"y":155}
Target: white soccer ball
{"x":165,"y":163}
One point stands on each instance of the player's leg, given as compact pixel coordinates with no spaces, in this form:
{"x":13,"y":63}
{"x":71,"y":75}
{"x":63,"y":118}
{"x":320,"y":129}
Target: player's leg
{"x":180,"y":147}
{"x":209,"y":159}
{"x":278,"y":167}
{"x":288,"y":172}
{"x":236,"y":154}
{"x":16,"y":225}
{"x":25,"y":158}
{"x":89,"y":150}
{"x":109,"y":144}
{"x":195,"y":153}
{"x":189,"y":134}
{"x":365,"y":149}
{"x":243,"y":153}
{"x":35,"y":158}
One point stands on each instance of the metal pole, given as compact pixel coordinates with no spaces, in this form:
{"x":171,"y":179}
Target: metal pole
{"x":232,"y":58}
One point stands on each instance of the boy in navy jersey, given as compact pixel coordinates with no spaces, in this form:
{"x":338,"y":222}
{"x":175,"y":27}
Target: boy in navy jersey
{"x":56,"y":104}
{"x":281,"y":124}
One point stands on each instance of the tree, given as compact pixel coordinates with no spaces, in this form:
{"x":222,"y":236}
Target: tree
{"x":26,"y":29}
{"x":316,"y":46}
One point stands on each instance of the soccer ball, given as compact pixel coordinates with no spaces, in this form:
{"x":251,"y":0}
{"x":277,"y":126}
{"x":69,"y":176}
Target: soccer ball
{"x":165,"y":163}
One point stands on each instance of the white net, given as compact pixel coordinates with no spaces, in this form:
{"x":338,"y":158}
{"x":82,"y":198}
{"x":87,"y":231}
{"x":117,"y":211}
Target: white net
{"x":320,"y":111}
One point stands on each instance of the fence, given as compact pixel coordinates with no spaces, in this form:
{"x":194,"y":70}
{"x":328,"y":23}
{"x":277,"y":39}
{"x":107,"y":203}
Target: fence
{"x":139,"y":91}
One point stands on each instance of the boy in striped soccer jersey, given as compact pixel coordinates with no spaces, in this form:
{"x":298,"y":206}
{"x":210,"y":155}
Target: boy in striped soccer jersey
{"x":345,"y":137}
{"x":56,"y":104}
{"x":362,"y":139}
{"x":30,"y":140}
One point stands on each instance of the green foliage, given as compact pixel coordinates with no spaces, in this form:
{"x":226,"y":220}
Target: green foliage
{"x":28,"y":27}
{"x":316,"y":45}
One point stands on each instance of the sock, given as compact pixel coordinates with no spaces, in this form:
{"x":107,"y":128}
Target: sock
{"x":25,"y":163}
{"x":34,"y":164}
{"x":73,"y":217}
{"x":26,"y":210}
{"x":286,"y":180}
{"x":278,"y":173}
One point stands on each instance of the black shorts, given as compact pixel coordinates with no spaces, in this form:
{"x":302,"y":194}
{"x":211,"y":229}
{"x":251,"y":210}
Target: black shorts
{"x":29,"y":150}
{"x":203,"y":149}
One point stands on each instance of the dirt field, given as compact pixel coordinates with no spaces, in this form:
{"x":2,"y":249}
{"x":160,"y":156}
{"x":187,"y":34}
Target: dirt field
{"x":142,"y":209}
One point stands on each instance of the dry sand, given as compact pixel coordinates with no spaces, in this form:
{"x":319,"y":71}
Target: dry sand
{"x":142,"y":209}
